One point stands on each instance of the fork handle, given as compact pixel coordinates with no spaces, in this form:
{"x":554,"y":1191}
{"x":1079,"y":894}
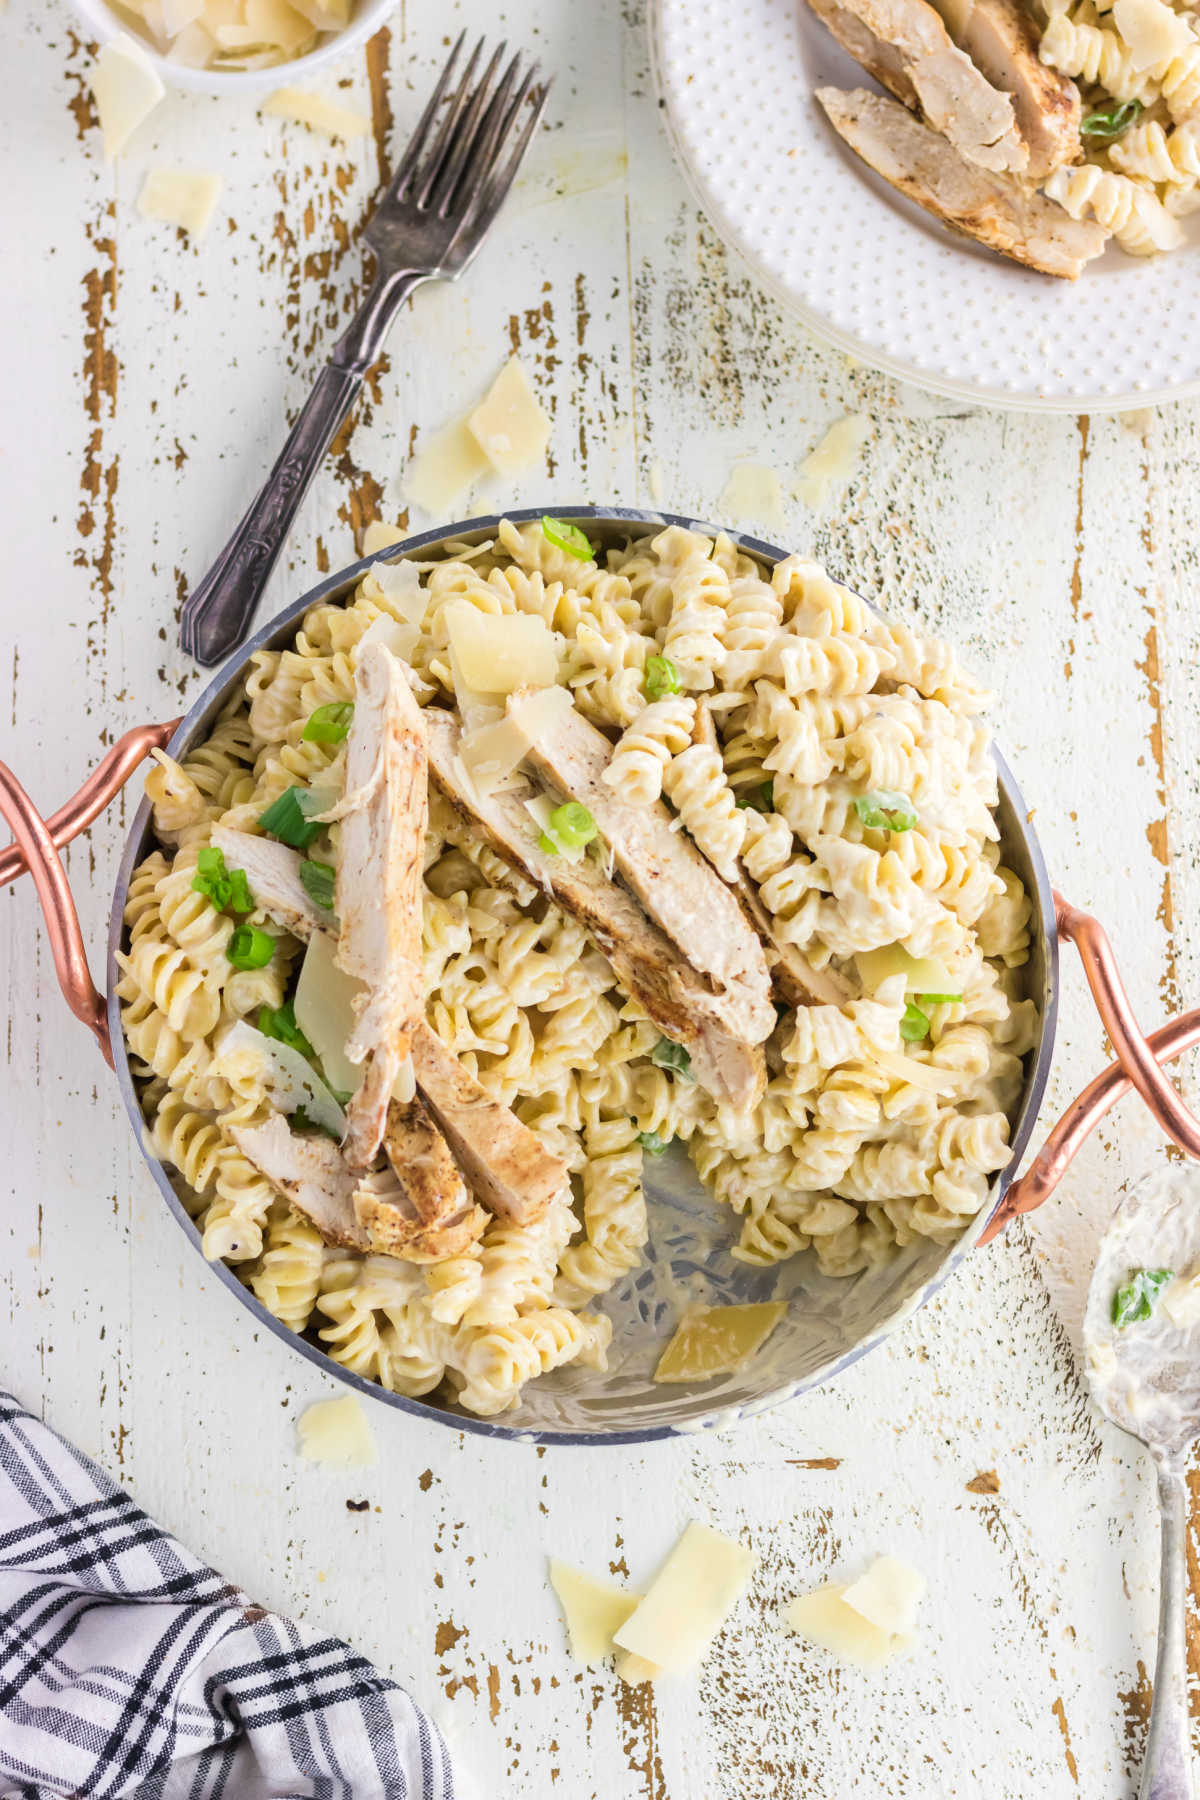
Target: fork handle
{"x":216,"y":612}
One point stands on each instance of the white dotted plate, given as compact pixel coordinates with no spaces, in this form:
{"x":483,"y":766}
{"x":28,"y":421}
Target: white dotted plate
{"x":875,"y":275}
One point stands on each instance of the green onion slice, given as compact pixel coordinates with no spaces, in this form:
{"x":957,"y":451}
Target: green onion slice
{"x":280,"y":1022}
{"x":288,"y":817}
{"x":241,"y":900}
{"x":666,"y":1055}
{"x":914,"y":1025}
{"x":652,"y":1144}
{"x":939,"y":999}
{"x":318,"y":882}
{"x":1110,"y":122}
{"x":329,"y":724}
{"x":885,"y":812}
{"x":760,"y":799}
{"x":661,"y":677}
{"x":225,"y":889}
{"x":1137,"y":1298}
{"x":302,"y":1122}
{"x":573,"y":825}
{"x":567,"y":537}
{"x":250,"y":948}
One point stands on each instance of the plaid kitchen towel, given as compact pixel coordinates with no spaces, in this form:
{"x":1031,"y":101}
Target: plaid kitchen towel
{"x":129,"y":1668}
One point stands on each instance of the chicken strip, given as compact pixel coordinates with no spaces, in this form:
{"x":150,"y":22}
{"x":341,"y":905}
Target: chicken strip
{"x":505,"y":1163}
{"x":273,"y":872}
{"x":675,"y":883}
{"x":906,"y":46}
{"x":1001,"y":38}
{"x":353,"y":1212}
{"x":378,"y":889}
{"x":646,"y":963}
{"x":997,"y":211}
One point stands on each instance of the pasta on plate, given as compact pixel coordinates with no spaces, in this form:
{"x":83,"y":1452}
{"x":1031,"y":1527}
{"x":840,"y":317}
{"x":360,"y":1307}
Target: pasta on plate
{"x":724,"y":871}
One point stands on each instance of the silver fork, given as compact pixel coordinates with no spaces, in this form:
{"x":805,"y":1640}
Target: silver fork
{"x":433,"y":217}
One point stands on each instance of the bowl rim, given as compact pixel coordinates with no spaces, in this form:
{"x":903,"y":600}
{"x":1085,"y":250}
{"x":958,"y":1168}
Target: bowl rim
{"x":101,"y":19}
{"x":719,"y":1418}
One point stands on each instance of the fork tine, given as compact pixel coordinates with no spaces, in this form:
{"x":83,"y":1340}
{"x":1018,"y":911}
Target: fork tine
{"x":474,"y":125}
{"x":449,"y":126}
{"x":416,"y":143}
{"x":483,"y":170}
{"x":495,"y":182}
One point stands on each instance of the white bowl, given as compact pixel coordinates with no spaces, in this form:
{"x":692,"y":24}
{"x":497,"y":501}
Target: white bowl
{"x":103,"y":23}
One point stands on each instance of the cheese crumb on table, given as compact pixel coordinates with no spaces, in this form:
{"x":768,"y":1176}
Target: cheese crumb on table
{"x":444,"y":467}
{"x":336,"y":1432}
{"x":379,"y":536}
{"x":180,"y":197}
{"x":509,"y":425}
{"x":689,"y":1600}
{"x":888,"y":1594}
{"x":126,"y":88}
{"x":593,"y":1610}
{"x":300,"y":108}
{"x":865,"y":1622}
{"x":752,"y":492}
{"x":833,"y":461}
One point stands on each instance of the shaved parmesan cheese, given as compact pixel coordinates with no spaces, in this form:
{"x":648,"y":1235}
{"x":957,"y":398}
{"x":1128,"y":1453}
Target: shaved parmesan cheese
{"x":508,"y":425}
{"x":541,"y":811}
{"x":289,"y":1078}
{"x":326,"y":15}
{"x":688,"y":1600}
{"x":500,"y":652}
{"x":179,"y":197}
{"x":379,"y":536}
{"x":275,"y":22}
{"x":193,"y":48}
{"x":824,"y":1618}
{"x":912,"y":1071}
{"x":445,"y":466}
{"x":833,"y":461}
{"x":178,"y":14}
{"x":400,"y":639}
{"x":126,"y":88}
{"x":634,"y":1670}
{"x":752,"y":492}
{"x":405,"y":1085}
{"x":534,"y":713}
{"x":1153,"y":33}
{"x":922,"y":974}
{"x":491,"y":753}
{"x":593,"y":1610}
{"x":1181,"y":1300}
{"x":888,"y":1595}
{"x":717,"y":1340}
{"x":324,"y":1006}
{"x":401,"y":583}
{"x":336,"y":1432}
{"x":300,"y":108}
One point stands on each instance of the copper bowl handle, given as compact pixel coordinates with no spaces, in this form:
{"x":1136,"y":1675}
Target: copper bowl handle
{"x":1138,"y":1065}
{"x":36,"y":848}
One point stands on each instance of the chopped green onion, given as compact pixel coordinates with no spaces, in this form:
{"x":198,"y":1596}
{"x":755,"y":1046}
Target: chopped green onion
{"x":760,"y":799}
{"x":567,"y":537}
{"x":329,"y":724}
{"x":1109,"y":122}
{"x":547,"y":844}
{"x":939,"y":999}
{"x":288,"y":817}
{"x":250,"y":948}
{"x":652,"y":1144}
{"x":280,"y":1022}
{"x":1136,"y":1299}
{"x":885,"y":812}
{"x":914,"y":1025}
{"x":666,"y":1055}
{"x":318,"y":883}
{"x":302,"y":1122}
{"x":661,"y":677}
{"x":225,"y":889}
{"x":572,"y":824}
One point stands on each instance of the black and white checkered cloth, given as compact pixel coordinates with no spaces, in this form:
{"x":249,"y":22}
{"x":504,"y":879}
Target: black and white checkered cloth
{"x":129,"y":1668}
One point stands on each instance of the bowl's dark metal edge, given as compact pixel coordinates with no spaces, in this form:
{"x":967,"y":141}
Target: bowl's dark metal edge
{"x":217,"y":690}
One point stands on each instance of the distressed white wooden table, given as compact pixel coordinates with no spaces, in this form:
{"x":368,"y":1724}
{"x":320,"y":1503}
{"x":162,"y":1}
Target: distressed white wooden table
{"x":145,"y":386}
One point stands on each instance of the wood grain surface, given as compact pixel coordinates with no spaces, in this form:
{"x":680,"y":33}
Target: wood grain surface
{"x":145,"y":386}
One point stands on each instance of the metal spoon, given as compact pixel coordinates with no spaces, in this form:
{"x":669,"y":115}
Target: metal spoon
{"x":1145,"y":1376}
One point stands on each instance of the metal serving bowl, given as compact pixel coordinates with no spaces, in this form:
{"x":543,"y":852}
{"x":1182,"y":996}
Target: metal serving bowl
{"x":831,"y":1322}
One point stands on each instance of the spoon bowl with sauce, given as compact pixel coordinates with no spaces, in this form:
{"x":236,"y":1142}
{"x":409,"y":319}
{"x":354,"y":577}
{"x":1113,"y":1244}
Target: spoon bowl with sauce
{"x":1142,"y":1338}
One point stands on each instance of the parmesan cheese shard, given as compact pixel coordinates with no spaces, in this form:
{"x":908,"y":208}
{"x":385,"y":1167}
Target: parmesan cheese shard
{"x":300,"y":108}
{"x":888,"y":1594}
{"x":824,"y":1619}
{"x":833,"y":461}
{"x":752,"y":492}
{"x":508,"y":425}
{"x":444,"y":468}
{"x":635,"y":1670}
{"x":126,"y":88}
{"x":689,"y":1599}
{"x":500,"y":652}
{"x":593,"y":1610}
{"x":180,"y":197}
{"x":336,"y":1432}
{"x":378,"y":536}
{"x":1152,"y":31}
{"x":717,"y":1340}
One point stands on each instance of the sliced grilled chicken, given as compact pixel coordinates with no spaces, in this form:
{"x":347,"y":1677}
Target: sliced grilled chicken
{"x":647,"y":964}
{"x":1001,"y":39}
{"x":273,"y":872}
{"x":674,"y":882}
{"x":378,"y":890}
{"x":506,"y":1165}
{"x":997,"y":211}
{"x":352,"y":1211}
{"x":424,"y":1167}
{"x":794,"y":978}
{"x":906,"y":46}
